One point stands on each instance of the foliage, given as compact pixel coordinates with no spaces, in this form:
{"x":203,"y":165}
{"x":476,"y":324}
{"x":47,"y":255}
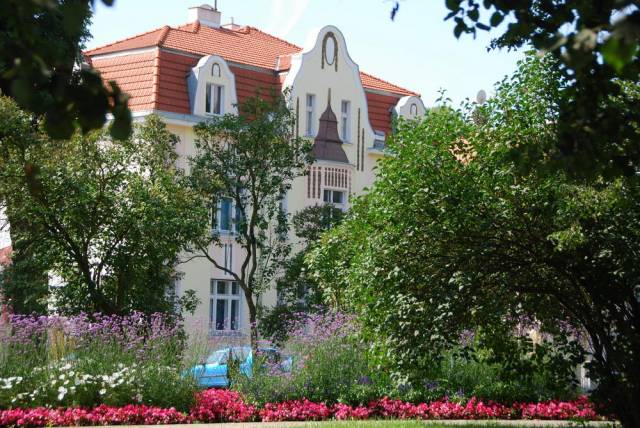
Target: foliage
{"x":579,"y":33}
{"x":454,"y":237}
{"x":131,"y":414}
{"x":596,"y":44}
{"x":215,"y":405}
{"x":251,"y":158}
{"x":329,"y":364}
{"x":109,"y":217}
{"x":298,"y":292}
{"x":86,"y":361}
{"x":40,"y":48}
{"x":25,"y":280}
{"x":226,"y":406}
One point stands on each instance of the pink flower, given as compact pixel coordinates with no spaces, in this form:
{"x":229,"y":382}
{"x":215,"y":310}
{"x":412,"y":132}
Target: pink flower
{"x":221,"y":405}
{"x":295,"y":410}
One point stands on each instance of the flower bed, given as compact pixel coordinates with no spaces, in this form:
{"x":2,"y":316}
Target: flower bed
{"x":228,"y":406}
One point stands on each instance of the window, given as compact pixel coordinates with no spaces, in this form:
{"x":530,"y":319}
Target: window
{"x":345,"y":121}
{"x":214,"y":100}
{"x":224,"y":306}
{"x":215,"y":70}
{"x":413,"y":110}
{"x":335,"y":197}
{"x":227,"y":216}
{"x":311,"y":102}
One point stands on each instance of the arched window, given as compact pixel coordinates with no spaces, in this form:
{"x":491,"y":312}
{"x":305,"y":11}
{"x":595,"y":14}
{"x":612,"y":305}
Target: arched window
{"x":413,"y":110}
{"x":215,"y":70}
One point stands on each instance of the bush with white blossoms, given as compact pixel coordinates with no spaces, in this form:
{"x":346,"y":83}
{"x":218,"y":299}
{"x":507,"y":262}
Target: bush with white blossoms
{"x":86,"y":361}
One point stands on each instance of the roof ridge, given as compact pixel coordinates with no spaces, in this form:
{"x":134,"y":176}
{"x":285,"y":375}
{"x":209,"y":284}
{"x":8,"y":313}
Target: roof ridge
{"x":389,"y":83}
{"x":273,"y":37}
{"x":125,"y":39}
{"x":163,"y":35}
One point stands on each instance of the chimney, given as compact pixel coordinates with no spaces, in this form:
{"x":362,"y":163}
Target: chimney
{"x":206,"y":14}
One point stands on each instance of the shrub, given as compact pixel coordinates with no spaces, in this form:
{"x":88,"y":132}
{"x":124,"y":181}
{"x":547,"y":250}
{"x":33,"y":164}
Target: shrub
{"x":91,"y":360}
{"x":329,"y":365}
{"x":217,"y":405}
{"x":581,"y":408}
{"x":101,"y":415}
{"x":228,"y":406}
{"x":295,"y":410}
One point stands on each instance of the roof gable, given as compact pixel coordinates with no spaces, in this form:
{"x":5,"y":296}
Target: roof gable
{"x":244,"y":45}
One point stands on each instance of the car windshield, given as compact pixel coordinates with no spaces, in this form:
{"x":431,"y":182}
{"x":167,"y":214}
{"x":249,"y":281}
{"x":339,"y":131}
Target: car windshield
{"x":220,"y":357}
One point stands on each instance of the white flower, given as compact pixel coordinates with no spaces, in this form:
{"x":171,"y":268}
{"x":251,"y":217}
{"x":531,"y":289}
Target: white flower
{"x":102,"y":391}
{"x":62,"y":391}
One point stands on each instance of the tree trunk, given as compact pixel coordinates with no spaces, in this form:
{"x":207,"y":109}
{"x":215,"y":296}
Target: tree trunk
{"x":253,"y":320}
{"x":625,"y":405}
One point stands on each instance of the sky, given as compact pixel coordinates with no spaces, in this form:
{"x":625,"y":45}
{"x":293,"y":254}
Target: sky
{"x":417,"y":50}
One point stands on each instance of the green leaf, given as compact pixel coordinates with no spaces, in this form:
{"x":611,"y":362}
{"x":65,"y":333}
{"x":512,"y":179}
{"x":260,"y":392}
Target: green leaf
{"x":617,"y":53}
{"x":474,"y":14}
{"x":496,"y":19}
{"x":453,"y":4}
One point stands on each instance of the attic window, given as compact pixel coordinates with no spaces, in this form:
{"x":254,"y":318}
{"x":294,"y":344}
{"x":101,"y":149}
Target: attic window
{"x":215,"y":70}
{"x":214,"y":99}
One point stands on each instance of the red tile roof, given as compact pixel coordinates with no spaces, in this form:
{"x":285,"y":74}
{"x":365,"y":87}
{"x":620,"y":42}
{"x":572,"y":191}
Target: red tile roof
{"x":372,"y":82}
{"x":243,"y":45}
{"x":246,"y":45}
{"x":5,"y":256}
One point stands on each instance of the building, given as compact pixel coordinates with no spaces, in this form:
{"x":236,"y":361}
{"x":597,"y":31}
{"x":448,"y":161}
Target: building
{"x":202,"y":69}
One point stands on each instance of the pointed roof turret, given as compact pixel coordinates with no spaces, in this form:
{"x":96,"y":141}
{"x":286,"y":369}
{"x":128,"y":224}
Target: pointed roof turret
{"x":328,"y":145}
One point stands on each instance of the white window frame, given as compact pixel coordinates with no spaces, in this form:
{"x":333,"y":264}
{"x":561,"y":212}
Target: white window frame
{"x":330,"y":191}
{"x":310,"y":107}
{"x":214,"y":99}
{"x":234,"y":216}
{"x":228,"y":298}
{"x":345,"y":122}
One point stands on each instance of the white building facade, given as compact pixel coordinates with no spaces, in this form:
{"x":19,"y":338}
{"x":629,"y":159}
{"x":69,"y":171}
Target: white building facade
{"x":204,"y":69}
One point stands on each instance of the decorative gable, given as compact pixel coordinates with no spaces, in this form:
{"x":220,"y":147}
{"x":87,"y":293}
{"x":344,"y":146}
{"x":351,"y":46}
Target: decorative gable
{"x":212,"y":88}
{"x":410,"y":107}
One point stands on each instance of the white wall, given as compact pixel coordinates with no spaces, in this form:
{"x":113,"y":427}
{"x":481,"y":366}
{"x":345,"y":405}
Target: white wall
{"x":5,"y":240}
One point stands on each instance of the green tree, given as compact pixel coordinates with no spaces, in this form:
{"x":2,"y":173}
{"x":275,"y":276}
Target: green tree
{"x":454,"y":236}
{"x":298,"y":291}
{"x":109,"y":216}
{"x":596,"y":41}
{"x":251,"y":159}
{"x":41,"y":44}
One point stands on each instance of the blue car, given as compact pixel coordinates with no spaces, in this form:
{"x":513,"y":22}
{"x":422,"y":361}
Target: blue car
{"x":212,"y":373}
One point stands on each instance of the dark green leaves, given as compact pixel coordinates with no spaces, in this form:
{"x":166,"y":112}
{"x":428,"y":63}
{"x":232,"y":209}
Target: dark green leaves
{"x":618,"y":53}
{"x":41,"y":45}
{"x":107,"y":216}
{"x":594,"y":46}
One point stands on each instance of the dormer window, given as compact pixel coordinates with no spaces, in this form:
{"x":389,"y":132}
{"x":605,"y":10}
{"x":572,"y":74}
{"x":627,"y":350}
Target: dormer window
{"x":214,"y":99}
{"x":212,"y":88}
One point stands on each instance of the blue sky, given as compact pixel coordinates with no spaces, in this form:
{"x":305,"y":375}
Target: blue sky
{"x":417,"y":50}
